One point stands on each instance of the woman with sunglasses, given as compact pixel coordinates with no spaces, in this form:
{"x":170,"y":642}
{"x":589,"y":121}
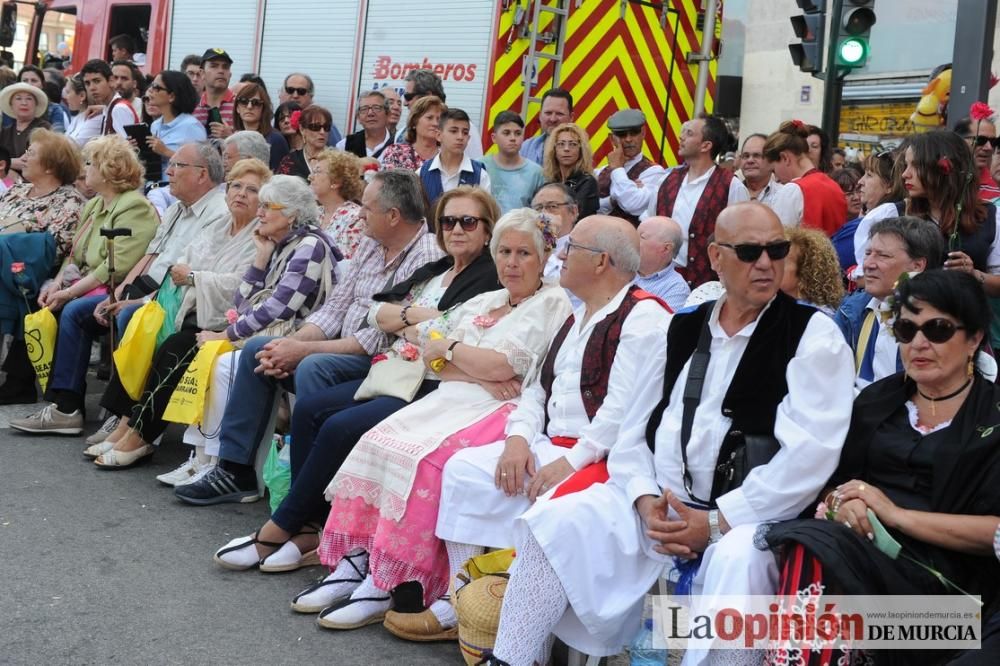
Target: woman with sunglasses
{"x":283,"y":123}
{"x":923,"y":458}
{"x":175,"y":97}
{"x":326,"y":426}
{"x":313,"y":124}
{"x":569,"y":160}
{"x":936,"y":179}
{"x":253,"y":112}
{"x":882,"y":195}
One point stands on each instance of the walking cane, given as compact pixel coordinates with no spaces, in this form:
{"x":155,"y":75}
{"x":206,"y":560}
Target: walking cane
{"x":110,"y":235}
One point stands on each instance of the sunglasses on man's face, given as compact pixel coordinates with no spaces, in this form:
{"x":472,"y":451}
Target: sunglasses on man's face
{"x":981,"y":141}
{"x":410,"y":96}
{"x":632,"y":131}
{"x":937,"y":330}
{"x":749,"y":253}
{"x":296,"y":91}
{"x":468,"y":222}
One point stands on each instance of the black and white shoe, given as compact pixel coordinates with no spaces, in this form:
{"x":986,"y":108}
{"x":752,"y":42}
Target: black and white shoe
{"x":218,"y":486}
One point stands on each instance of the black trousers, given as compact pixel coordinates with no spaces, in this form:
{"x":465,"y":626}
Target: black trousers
{"x":170,"y":363}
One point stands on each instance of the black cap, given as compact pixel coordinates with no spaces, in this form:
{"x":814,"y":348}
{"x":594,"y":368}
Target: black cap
{"x":216,"y":54}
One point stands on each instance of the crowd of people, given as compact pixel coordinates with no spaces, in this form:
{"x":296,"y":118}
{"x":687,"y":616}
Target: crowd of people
{"x":619,"y":370}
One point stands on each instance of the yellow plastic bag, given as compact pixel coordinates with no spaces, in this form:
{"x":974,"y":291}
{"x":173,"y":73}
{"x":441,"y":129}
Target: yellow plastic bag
{"x":187,"y":402}
{"x":134,"y":355}
{"x":40,"y":338}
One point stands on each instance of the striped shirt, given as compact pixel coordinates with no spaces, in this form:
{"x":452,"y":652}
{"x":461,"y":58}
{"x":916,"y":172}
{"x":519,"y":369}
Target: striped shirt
{"x":668,"y":285}
{"x":226,"y":109}
{"x":345,"y":313}
{"x":294,"y":290}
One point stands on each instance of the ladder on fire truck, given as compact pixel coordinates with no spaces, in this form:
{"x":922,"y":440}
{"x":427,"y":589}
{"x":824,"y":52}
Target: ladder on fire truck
{"x":535,"y":58}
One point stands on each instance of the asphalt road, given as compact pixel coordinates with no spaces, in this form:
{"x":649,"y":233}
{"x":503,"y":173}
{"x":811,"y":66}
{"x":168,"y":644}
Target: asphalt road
{"x":101,"y":567}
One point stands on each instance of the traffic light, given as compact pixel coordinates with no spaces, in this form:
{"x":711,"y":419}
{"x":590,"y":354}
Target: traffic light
{"x":808,"y":27}
{"x":855,"y":26}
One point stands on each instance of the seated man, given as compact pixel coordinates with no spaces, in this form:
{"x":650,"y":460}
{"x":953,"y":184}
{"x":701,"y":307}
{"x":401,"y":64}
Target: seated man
{"x":334,"y":345}
{"x":558,"y":202}
{"x":659,"y":238}
{"x":897,"y":245}
{"x":776,"y":369}
{"x":608,"y":358}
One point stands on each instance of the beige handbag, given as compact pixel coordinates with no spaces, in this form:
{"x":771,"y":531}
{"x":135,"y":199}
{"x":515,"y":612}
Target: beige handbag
{"x":393,"y":377}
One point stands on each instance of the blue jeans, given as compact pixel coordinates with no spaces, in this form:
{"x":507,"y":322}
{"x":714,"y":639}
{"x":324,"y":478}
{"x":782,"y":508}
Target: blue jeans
{"x":245,"y":421}
{"x":325,"y":427}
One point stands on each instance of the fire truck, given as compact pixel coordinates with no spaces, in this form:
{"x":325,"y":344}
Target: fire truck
{"x":492,"y":55}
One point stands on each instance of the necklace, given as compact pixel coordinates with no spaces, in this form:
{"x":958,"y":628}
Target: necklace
{"x":514,"y":305}
{"x":934,"y":401}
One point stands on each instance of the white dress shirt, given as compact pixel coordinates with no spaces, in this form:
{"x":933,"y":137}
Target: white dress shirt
{"x":342,"y":144}
{"x":449,"y":181}
{"x":632,"y":198}
{"x":635,"y":382}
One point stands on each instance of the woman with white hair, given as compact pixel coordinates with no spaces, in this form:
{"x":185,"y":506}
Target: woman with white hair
{"x":384,"y":494}
{"x":291,"y":272}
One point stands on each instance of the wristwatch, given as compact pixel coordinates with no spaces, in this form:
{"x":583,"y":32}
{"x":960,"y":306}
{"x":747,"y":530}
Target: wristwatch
{"x":448,"y":355}
{"x":714,"y":533}
{"x":190,"y":279}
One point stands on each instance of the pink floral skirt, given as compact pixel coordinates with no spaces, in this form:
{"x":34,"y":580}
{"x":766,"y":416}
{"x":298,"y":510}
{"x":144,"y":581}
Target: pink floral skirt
{"x":407,"y":550}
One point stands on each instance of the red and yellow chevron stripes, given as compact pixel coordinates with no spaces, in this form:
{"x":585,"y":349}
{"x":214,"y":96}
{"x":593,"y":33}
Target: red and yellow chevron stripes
{"x":610,"y":63}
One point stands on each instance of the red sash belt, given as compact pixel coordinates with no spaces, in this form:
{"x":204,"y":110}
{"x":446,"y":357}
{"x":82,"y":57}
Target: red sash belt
{"x":581,"y":479}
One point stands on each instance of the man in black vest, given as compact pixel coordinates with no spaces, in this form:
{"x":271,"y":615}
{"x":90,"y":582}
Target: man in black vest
{"x":374,"y":136}
{"x":630,"y":181}
{"x":607,"y":360}
{"x":774,"y":369}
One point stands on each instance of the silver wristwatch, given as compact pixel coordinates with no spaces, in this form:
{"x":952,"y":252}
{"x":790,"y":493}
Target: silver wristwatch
{"x":190,"y":279}
{"x":714,"y":533}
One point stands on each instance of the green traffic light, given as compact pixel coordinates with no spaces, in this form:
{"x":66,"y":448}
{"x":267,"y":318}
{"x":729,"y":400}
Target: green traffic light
{"x":853,"y":52}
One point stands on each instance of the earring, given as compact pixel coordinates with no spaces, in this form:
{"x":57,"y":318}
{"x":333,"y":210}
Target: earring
{"x":970,"y":368}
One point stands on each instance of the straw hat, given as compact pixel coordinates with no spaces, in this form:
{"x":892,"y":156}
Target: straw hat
{"x":7,"y":94}
{"x":478,"y":608}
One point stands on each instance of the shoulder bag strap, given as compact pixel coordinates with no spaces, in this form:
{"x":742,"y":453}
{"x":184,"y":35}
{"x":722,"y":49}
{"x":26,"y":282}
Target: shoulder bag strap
{"x":692,"y":397}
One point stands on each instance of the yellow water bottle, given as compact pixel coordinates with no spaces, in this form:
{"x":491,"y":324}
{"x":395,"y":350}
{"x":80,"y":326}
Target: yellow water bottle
{"x":437,"y":365}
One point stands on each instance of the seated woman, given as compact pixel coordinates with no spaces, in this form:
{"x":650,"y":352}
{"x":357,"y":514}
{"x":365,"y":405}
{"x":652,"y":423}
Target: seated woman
{"x":423,"y":128}
{"x":327,"y":425}
{"x":569,"y":160}
{"x":812,"y":270}
{"x":335,"y":182}
{"x":494,"y":343}
{"x":174,"y":95}
{"x":46,"y":201}
{"x":313,"y":124}
{"x":283,"y":123}
{"x":285,"y":236}
{"x":27,"y":105}
{"x":253,"y":112}
{"x":923,"y":454}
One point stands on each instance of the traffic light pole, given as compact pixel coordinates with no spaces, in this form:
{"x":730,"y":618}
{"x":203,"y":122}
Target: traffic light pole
{"x":833,"y":88}
{"x":970,"y":73}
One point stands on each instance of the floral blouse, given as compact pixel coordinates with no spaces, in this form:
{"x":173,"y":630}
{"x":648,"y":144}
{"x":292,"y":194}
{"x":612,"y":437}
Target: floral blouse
{"x":57,"y":212}
{"x":345,"y":227}
{"x":401,"y":156}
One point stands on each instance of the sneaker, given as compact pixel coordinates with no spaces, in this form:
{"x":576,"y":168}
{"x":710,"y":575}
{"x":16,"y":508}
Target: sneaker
{"x":186,"y":472}
{"x":102,"y":433}
{"x":50,"y":421}
{"x":218,"y":486}
{"x":203,"y":469}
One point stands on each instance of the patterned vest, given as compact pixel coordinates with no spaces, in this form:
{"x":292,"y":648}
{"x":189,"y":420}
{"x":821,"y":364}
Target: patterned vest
{"x":598,"y":354}
{"x":713,"y":200}
{"x":604,"y":188}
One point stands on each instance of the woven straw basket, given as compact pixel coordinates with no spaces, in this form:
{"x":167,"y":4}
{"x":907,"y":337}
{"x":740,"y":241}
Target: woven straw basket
{"x":478,"y":608}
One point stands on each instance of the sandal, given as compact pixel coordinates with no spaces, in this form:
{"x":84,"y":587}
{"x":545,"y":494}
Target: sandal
{"x":240,"y":554}
{"x":114,"y":459}
{"x":320,"y":596}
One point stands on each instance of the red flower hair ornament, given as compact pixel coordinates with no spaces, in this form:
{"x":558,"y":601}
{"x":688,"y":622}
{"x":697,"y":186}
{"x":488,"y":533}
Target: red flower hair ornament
{"x":980,"y":111}
{"x":294,"y":119}
{"x":944,"y":164}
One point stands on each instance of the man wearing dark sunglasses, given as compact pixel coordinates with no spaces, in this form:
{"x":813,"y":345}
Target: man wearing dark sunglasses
{"x":299,"y":88}
{"x":373,"y":137}
{"x":629,"y":181}
{"x":896,"y":245}
{"x":983,"y":141}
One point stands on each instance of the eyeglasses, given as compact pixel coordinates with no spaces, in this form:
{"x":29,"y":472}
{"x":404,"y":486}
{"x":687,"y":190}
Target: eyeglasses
{"x":551,"y":206}
{"x":271,"y":205}
{"x":749,"y":253}
{"x":253,"y":103}
{"x":571,"y":145}
{"x":156,"y":87}
{"x":371,"y":108}
{"x":410,"y":96}
{"x":468,"y":222}
{"x":318,"y":127}
{"x":237,"y":186}
{"x":296,"y":91}
{"x":981,"y":141}
{"x":184,"y":165}
{"x":570,"y":245}
{"x":631,"y":131}
{"x":938,"y":330}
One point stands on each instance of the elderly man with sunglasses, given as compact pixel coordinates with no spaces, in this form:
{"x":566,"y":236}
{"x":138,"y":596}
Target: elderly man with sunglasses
{"x":299,"y":88}
{"x":896,"y":245}
{"x":630,"y":180}
{"x":754,"y":372}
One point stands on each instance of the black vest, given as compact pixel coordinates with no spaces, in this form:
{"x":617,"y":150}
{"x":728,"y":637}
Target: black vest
{"x":355,"y":143}
{"x":759,"y":384}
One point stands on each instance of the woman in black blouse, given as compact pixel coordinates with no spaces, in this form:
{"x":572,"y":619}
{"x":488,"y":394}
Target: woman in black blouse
{"x":569,"y":160}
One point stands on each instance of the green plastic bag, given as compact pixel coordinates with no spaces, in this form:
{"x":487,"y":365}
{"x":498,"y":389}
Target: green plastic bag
{"x":278,"y":471}
{"x":169,"y":297}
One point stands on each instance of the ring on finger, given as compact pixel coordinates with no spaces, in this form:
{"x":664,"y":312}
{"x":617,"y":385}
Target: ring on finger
{"x":503,"y":474}
{"x":848,"y":523}
{"x":861,"y":488}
